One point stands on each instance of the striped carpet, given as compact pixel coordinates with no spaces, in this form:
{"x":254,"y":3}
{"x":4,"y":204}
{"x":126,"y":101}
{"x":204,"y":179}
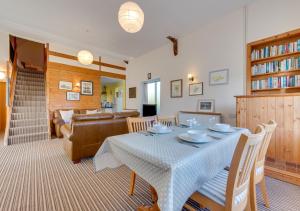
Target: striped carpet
{"x":38,"y":176}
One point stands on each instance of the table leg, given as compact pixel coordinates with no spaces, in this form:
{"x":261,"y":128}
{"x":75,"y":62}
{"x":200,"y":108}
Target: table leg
{"x":154,"y":206}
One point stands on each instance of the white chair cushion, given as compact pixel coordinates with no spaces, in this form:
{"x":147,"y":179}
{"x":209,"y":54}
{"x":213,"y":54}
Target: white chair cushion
{"x":66,"y":115}
{"x":215,"y":188}
{"x":92,"y":111}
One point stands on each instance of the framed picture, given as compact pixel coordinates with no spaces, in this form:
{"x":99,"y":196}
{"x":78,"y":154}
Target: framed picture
{"x":132,"y":92}
{"x":219,"y":77}
{"x":206,"y":105}
{"x":196,"y":89}
{"x":73,"y":96}
{"x":86,"y":87}
{"x":176,"y":88}
{"x":149,"y":76}
{"x":66,"y":85}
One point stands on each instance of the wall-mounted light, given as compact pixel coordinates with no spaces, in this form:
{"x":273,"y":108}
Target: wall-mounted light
{"x":2,"y":75}
{"x":77,"y":87}
{"x":190,"y":77}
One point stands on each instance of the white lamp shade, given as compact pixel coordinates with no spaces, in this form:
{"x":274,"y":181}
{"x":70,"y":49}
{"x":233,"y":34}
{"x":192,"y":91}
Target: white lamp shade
{"x":131,"y":17}
{"x":2,"y":75}
{"x":85,"y":57}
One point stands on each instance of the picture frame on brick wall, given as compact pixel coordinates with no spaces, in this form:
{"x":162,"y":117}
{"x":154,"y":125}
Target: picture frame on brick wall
{"x":86,"y":88}
{"x":65,"y":85}
{"x":73,"y":96}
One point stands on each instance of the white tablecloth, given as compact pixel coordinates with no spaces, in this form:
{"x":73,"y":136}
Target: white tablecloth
{"x":175,"y":170}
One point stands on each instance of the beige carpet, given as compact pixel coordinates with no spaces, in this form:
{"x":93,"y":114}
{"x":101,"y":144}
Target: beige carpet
{"x":38,"y":176}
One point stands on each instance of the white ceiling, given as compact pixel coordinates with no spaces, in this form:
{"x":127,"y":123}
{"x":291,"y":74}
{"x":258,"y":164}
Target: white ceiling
{"x":94,"y":22}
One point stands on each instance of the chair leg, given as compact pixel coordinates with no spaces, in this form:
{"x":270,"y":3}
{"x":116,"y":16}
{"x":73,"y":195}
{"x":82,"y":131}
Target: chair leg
{"x":252,"y":195}
{"x":153,"y":194}
{"x":263,"y":188}
{"x":248,"y":206}
{"x":132,"y":182}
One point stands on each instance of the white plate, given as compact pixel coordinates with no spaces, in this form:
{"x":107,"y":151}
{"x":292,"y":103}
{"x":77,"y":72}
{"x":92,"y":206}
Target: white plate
{"x":230,"y":130}
{"x":152,"y":130}
{"x":187,"y":138}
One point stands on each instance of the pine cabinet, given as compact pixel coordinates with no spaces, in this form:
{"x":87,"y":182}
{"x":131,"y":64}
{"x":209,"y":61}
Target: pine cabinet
{"x":284,"y":149}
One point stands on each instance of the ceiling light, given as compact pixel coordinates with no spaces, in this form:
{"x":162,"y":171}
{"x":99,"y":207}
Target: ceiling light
{"x":85,"y":57}
{"x":2,"y":75}
{"x":131,"y":17}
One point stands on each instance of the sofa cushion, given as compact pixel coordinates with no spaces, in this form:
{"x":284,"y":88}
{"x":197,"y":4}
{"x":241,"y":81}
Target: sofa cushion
{"x":66,"y":115}
{"x":121,"y":115}
{"x":89,"y":117}
{"x":92,"y":111}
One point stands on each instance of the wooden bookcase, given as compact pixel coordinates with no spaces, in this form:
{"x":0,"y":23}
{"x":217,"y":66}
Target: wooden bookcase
{"x":279,"y":104}
{"x":279,"y":56}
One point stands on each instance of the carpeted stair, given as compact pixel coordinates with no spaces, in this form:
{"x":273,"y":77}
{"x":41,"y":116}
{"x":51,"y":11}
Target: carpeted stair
{"x":29,"y":117}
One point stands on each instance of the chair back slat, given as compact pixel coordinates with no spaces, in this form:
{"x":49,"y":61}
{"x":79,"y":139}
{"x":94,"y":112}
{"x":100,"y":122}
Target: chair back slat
{"x":136,"y":124}
{"x":242,"y":164}
{"x":167,"y":120}
{"x":269,"y":128}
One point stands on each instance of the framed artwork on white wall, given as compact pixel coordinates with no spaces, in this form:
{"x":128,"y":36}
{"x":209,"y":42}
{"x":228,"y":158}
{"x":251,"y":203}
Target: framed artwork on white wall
{"x":219,"y":77}
{"x":196,"y":89}
{"x":176,"y":88}
{"x":206,"y":105}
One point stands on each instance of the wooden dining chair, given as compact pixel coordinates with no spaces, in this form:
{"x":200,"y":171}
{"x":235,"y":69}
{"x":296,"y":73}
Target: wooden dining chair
{"x":137,"y":124}
{"x":257,"y":175}
{"x":167,"y":120}
{"x":230,"y":190}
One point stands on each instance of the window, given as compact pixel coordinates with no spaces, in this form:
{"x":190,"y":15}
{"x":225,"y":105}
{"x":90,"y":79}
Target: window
{"x":152,"y":93}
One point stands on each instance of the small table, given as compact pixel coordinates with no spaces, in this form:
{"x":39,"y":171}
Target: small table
{"x":175,"y":170}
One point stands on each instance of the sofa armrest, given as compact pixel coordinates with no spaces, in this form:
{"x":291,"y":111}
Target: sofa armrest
{"x":58,"y":121}
{"x":66,"y":131}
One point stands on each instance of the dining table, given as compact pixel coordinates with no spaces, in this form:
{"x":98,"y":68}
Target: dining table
{"x":174,"y":168}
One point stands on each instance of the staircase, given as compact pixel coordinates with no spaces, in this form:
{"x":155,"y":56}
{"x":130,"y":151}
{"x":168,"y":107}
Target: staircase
{"x":28,"y":120}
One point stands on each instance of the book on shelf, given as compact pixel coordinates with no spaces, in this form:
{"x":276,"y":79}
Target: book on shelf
{"x":276,"y":66}
{"x":277,"y":82}
{"x":275,"y":50}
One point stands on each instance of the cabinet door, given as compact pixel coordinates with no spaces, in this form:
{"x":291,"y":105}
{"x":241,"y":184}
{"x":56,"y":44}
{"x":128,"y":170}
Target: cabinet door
{"x":285,"y":131}
{"x":271,"y":113}
{"x":280,"y":143}
{"x":241,"y":107}
{"x":297,"y":129}
{"x":256,"y":112}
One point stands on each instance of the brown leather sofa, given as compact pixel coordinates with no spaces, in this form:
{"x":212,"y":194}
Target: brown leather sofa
{"x":84,"y":136}
{"x":58,"y":122}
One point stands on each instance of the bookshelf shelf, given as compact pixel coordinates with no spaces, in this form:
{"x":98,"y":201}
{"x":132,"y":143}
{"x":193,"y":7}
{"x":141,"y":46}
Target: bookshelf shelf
{"x":276,"y":89}
{"x":275,"y":58}
{"x":276,"y":74}
{"x":263,"y":90}
{"x":286,"y":64}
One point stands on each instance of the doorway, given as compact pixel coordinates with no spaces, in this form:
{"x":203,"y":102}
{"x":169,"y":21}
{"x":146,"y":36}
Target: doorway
{"x":152,"y":94}
{"x":112,"y":94}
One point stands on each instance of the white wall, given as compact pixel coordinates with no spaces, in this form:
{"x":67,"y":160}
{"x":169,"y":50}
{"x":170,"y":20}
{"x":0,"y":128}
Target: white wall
{"x":216,"y":46}
{"x":270,"y":17}
{"x":4,"y":50}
